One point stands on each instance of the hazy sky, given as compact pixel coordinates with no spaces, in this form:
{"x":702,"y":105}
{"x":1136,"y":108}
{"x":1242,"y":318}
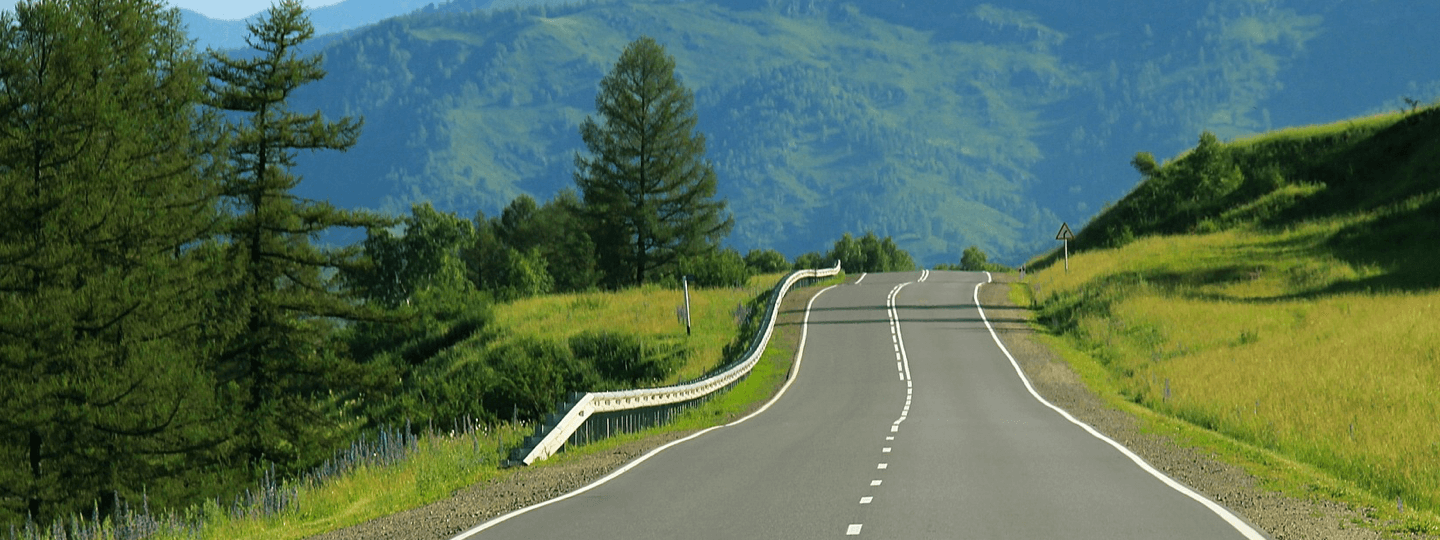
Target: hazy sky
{"x":219,"y":9}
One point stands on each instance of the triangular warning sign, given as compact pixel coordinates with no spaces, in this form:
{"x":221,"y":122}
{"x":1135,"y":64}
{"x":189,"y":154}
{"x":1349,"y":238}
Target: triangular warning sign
{"x":1064,"y":233}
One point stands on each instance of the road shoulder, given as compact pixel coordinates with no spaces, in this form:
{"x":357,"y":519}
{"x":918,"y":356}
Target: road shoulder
{"x":526,"y":486}
{"x":1277,"y":514}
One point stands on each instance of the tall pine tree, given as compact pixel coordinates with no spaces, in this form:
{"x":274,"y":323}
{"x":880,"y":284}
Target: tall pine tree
{"x":284,"y":288}
{"x":648,"y":189}
{"x":107,"y":202}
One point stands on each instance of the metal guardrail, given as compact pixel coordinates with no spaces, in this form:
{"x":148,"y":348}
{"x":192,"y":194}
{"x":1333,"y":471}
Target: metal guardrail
{"x":558,"y":428}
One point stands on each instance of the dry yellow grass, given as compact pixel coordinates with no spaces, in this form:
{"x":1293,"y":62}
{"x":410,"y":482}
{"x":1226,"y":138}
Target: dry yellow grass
{"x":1235,"y":331}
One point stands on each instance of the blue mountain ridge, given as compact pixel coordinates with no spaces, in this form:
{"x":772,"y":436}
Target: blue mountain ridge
{"x":943,"y":124}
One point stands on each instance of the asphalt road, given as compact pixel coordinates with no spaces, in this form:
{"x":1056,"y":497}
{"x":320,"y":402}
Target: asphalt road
{"x":918,"y":430}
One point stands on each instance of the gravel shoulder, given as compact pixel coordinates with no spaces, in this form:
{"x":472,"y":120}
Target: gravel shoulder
{"x":1279,"y":515}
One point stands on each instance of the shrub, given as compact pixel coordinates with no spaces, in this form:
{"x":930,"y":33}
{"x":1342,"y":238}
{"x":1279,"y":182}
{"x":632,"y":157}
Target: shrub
{"x":720,"y":268}
{"x":626,"y":360}
{"x":810,"y":261}
{"x":534,"y":375}
{"x":766,"y":261}
{"x":870,"y":254}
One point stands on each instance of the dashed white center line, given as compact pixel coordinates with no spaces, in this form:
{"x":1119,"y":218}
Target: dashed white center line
{"x":901,"y":367}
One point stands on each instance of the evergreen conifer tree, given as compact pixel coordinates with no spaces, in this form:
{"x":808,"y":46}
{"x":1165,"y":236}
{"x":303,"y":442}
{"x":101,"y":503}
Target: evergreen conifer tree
{"x":107,"y":204}
{"x":283,"y":288}
{"x":648,"y":189}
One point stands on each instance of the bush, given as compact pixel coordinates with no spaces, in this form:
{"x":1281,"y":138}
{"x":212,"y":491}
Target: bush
{"x":974,"y":260}
{"x":719,"y":268}
{"x":534,"y":375}
{"x":870,"y":254}
{"x":811,"y":261}
{"x":766,"y":261}
{"x":626,"y":360}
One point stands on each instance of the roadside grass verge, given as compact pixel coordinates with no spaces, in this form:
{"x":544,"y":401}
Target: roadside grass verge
{"x":766,"y":378}
{"x":650,"y":312}
{"x":1313,"y":370}
{"x":435,"y":465}
{"x":441,"y":461}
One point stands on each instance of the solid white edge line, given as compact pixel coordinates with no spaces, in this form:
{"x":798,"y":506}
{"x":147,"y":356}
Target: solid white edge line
{"x":900,"y":336}
{"x":862,"y":277}
{"x":1235,"y":521}
{"x":794,"y":374}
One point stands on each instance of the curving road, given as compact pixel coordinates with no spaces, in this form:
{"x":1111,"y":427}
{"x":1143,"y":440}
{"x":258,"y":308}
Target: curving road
{"x":916,"y":429}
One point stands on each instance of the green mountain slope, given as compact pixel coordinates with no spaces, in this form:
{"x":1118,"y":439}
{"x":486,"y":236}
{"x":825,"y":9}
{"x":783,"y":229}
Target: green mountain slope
{"x":815,"y":125}
{"x":940,"y":124}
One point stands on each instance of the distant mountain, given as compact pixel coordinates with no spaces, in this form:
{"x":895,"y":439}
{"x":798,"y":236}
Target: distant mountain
{"x":942,"y":123}
{"x":230,"y":34}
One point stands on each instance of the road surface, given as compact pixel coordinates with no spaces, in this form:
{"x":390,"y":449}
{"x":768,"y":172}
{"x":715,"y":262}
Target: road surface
{"x":921,"y":429}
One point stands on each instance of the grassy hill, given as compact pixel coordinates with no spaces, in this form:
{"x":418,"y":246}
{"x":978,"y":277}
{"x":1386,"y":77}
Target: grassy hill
{"x":1281,"y":290}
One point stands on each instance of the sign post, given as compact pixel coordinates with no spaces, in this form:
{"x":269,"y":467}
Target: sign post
{"x":685,"y":280}
{"x":1067,"y":236}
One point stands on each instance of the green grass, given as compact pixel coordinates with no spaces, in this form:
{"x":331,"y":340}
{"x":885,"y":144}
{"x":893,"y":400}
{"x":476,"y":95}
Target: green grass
{"x":441,"y":464}
{"x":648,"y":312}
{"x":446,"y":462}
{"x":1296,"y":337}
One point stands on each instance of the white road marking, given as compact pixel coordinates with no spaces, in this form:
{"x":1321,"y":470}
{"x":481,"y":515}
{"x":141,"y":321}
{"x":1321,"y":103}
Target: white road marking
{"x":1235,"y":521}
{"x":890,"y":438}
{"x":882,"y":466}
{"x":866,"y":500}
{"x":853,"y":530}
{"x":894,"y":429}
{"x":795,"y":374}
{"x":875,"y":482}
{"x":862,"y":277}
{"x":895,"y":324}
{"x":885,"y":450}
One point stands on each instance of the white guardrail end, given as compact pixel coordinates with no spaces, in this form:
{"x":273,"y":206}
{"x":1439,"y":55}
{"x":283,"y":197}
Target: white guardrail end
{"x":600,"y":402}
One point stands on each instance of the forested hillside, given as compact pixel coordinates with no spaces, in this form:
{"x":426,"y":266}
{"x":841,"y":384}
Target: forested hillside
{"x":941,"y":124}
